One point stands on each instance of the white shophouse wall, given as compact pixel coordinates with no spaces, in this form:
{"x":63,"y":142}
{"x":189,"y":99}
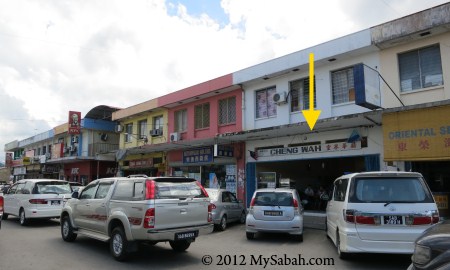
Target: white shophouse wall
{"x":348,"y":51}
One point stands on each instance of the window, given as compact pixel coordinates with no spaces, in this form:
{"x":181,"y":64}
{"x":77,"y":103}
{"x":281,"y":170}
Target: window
{"x":158,"y":122}
{"x":181,"y":120}
{"x":201,"y":115}
{"x":103,"y":190}
{"x":340,"y":190}
{"x":265,"y":106}
{"x":343,"y":87}
{"x":142,"y":129}
{"x":227,"y":111}
{"x":299,"y":90}
{"x":128,"y":132}
{"x":420,"y":68}
{"x":89,"y":191}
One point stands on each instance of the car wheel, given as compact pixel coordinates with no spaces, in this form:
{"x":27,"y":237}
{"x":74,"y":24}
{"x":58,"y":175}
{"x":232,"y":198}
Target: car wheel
{"x":250,"y":235}
{"x":342,"y":255}
{"x":243,"y":217}
{"x":22,"y":219}
{"x":5,"y":216}
{"x":118,"y":244}
{"x":67,"y":230}
{"x":180,"y":245}
{"x":223,"y":223}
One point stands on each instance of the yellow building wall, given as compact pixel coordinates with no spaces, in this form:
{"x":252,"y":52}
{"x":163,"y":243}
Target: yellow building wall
{"x":389,"y":69}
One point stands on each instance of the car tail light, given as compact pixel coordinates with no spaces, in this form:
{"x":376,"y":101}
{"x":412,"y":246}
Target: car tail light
{"x":38,"y":201}
{"x":295,"y":203}
{"x":349,"y":215}
{"x":435,"y":216}
{"x":1,"y":204}
{"x":149,"y":190}
{"x":252,"y":203}
{"x":149,"y":219}
{"x":213,"y":206}
{"x":203,"y":189}
{"x":423,"y":219}
{"x":210,"y":207}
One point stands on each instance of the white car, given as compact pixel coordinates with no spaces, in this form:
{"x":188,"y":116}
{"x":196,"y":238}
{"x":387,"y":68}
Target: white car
{"x":275,"y":211}
{"x":36,"y":198}
{"x":379,"y":212}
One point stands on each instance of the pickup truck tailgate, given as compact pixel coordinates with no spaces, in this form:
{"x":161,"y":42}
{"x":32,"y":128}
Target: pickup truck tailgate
{"x":180,"y":203}
{"x":176,"y":213}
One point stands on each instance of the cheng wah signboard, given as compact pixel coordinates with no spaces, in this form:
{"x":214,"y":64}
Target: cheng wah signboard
{"x":74,"y":122}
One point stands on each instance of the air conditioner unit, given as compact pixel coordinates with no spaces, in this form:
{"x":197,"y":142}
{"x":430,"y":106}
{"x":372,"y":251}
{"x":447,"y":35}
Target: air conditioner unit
{"x":119,"y":128}
{"x":155,"y":132}
{"x":174,"y":137}
{"x":280,"y":98}
{"x":48,"y":155}
{"x":74,"y":139}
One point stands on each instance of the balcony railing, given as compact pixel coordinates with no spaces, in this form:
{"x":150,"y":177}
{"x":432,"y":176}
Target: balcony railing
{"x":102,"y":148}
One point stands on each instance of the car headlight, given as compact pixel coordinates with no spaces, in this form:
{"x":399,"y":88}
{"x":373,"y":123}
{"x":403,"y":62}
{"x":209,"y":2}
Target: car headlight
{"x":421,"y":255}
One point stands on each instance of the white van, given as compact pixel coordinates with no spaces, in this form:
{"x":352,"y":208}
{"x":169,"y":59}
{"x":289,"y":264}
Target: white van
{"x":35,"y":198}
{"x":379,"y":212}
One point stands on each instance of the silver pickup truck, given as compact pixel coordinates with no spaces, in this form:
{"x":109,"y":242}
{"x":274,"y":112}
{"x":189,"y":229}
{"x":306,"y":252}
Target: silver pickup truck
{"x":129,"y":210}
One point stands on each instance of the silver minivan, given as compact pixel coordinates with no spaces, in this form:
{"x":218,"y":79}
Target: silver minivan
{"x":379,"y":212}
{"x":275,"y":210}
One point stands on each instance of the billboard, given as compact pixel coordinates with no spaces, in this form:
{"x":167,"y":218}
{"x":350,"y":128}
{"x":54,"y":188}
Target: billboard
{"x":74,"y":122}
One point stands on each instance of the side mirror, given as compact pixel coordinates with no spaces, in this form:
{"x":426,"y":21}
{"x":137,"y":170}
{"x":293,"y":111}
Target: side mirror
{"x":75,"y":194}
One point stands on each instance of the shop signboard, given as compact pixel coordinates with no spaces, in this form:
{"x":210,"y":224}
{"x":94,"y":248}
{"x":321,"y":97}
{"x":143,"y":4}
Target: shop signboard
{"x":198,"y":155}
{"x":416,"y":135}
{"x":141,"y":163}
{"x":309,"y":149}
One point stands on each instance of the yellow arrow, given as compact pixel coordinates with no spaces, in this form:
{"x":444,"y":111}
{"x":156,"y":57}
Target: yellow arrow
{"x":311,"y":115}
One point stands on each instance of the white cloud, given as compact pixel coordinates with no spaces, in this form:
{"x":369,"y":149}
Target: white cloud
{"x":74,"y":55}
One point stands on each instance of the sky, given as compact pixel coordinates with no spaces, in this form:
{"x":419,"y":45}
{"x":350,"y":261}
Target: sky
{"x":58,"y":56}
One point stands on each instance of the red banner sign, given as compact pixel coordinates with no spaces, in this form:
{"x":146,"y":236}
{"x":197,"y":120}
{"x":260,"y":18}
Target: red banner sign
{"x":74,"y":122}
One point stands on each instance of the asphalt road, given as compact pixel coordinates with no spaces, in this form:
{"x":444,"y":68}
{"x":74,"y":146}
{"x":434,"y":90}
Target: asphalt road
{"x":39,"y":246}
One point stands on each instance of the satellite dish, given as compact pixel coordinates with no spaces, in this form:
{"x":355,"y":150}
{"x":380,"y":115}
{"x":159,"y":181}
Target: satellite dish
{"x":104,"y":137}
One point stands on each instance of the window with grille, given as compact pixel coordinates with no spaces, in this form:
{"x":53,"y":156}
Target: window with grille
{"x":128,"y":132}
{"x":201,"y":115}
{"x":420,"y":68}
{"x":299,"y":91}
{"x":181,"y":120}
{"x":142,"y":129}
{"x":227,"y":111}
{"x":265,"y":106}
{"x":343,"y":86}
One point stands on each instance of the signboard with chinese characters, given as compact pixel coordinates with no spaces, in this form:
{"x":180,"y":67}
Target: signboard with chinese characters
{"x":141,"y":163}
{"x":422,"y":134}
{"x":198,"y":155}
{"x":298,"y":150}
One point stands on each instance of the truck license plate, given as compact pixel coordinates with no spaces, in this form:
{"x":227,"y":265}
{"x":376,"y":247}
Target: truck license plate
{"x":186,"y":235}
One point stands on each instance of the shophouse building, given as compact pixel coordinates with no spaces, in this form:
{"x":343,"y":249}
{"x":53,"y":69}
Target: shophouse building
{"x":186,"y":143}
{"x":80,"y":156}
{"x":415,"y":61}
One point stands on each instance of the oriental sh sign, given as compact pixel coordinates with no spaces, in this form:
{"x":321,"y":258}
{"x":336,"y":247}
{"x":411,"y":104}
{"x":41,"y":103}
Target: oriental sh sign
{"x":309,"y":149}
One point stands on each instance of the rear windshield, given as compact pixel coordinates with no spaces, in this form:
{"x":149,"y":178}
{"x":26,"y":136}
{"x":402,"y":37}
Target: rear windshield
{"x":52,"y":187}
{"x":274,"y":199}
{"x":405,"y":189}
{"x":167,"y":190}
